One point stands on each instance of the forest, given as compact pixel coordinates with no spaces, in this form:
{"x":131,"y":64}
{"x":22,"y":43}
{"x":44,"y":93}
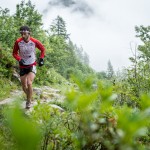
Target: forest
{"x":106,"y":110}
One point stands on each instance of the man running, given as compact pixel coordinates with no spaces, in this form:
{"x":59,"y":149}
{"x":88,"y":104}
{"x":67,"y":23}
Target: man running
{"x":24,"y":52}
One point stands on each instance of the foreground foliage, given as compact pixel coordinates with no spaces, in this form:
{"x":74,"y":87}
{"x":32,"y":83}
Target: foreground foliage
{"x":90,"y":120}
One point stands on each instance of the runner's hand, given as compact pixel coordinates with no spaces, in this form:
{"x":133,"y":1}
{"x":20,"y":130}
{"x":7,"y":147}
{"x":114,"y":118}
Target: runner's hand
{"x":21,"y":62}
{"x":41,"y":62}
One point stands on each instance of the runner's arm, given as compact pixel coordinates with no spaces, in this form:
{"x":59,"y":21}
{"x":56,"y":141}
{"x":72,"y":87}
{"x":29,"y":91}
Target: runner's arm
{"x":15,"y":51}
{"x":41,"y":48}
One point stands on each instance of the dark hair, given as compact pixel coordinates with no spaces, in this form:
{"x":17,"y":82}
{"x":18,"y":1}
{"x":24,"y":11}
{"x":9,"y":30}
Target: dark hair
{"x":24,"y":28}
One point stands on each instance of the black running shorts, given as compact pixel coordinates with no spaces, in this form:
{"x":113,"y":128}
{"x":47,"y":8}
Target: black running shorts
{"x":24,"y":71}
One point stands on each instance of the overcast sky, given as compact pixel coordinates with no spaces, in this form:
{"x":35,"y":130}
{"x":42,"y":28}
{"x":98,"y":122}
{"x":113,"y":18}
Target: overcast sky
{"x":104,"y":28}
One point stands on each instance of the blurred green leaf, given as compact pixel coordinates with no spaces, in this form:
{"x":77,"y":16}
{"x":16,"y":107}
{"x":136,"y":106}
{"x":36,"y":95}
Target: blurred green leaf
{"x":26,"y":133}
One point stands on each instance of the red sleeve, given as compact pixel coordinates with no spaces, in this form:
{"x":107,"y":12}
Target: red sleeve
{"x":41,"y":48}
{"x":15,"y":51}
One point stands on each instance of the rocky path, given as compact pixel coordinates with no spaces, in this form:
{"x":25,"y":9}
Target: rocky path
{"x":44,"y":94}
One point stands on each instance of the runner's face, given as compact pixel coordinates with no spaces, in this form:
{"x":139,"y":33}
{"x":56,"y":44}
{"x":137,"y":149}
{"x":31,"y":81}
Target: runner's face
{"x":25,"y":35}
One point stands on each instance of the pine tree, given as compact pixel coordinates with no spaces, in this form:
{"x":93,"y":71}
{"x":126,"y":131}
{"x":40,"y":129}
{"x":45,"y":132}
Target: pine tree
{"x":58,"y":27}
{"x":26,"y":14}
{"x":110,"y":70}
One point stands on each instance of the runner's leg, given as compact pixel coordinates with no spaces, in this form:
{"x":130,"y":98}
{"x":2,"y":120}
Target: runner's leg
{"x":30,"y":78}
{"x":24,"y":83}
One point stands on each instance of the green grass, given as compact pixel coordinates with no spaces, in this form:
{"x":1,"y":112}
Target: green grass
{"x":6,"y":86}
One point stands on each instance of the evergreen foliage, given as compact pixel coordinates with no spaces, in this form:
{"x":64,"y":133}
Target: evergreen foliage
{"x":110,"y":70}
